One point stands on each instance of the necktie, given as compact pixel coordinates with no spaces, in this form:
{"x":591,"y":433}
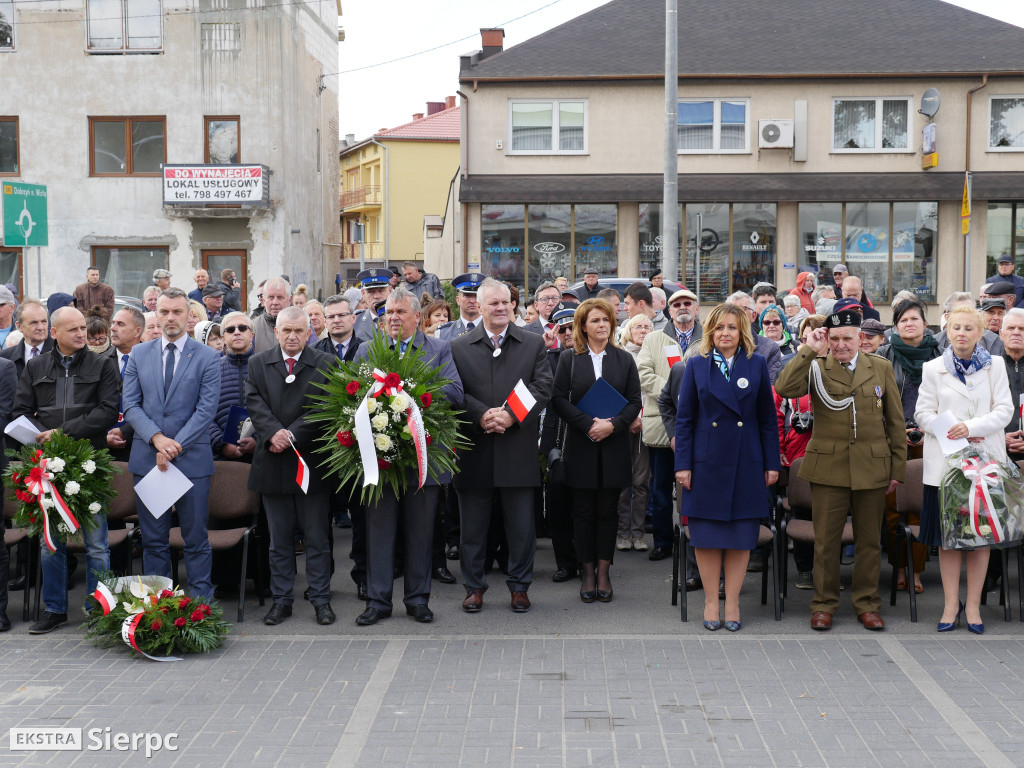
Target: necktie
{"x":124,"y":364}
{"x":496,"y":341}
{"x":402,"y":347}
{"x":341,"y":351}
{"x":291,"y":365}
{"x":169,"y":368}
{"x":469,"y":326}
{"x":35,"y":351}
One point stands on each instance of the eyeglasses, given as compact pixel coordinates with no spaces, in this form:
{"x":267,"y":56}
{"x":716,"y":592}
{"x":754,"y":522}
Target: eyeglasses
{"x":259,"y":296}
{"x":548,"y":300}
{"x":678,"y":304}
{"x":343,"y":314}
{"x":239,"y":328}
{"x":771,"y":322}
{"x":564,"y":329}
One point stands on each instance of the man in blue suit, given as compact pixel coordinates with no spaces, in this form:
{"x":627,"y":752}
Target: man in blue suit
{"x":171,"y":391}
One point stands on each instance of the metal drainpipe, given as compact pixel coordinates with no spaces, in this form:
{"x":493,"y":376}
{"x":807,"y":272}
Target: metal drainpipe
{"x":387,"y":208}
{"x":970,"y":95}
{"x":465,"y":175}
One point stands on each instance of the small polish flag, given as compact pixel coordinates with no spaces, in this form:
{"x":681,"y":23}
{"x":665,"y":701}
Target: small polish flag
{"x":521,"y":401}
{"x":104,"y":597}
{"x":673,"y":354}
{"x":1022,"y":409}
{"x":302,"y":473}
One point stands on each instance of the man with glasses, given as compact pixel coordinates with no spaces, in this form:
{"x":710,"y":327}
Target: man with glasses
{"x":237,"y":333}
{"x":340,"y":340}
{"x":545,"y":298}
{"x":469,"y":309}
{"x":31,"y":319}
{"x":660,"y":351}
{"x":376,"y":287}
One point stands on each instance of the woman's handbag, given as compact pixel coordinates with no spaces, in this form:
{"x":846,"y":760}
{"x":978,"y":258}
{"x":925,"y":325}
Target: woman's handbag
{"x":556,"y":456}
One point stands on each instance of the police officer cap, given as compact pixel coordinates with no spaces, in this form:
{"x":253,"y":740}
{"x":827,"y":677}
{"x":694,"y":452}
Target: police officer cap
{"x":370,"y":278}
{"x":378,"y":308}
{"x":563,"y":315}
{"x":469,"y":282}
{"x":844,"y":318}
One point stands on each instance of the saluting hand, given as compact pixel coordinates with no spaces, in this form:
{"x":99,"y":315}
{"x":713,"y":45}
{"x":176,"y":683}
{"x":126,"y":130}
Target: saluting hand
{"x":818,"y":340}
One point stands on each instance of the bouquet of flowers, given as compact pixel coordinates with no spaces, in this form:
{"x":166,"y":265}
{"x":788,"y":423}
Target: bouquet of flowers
{"x":386,"y":416}
{"x":981,"y":501}
{"x":152,"y":617}
{"x":61,"y":487}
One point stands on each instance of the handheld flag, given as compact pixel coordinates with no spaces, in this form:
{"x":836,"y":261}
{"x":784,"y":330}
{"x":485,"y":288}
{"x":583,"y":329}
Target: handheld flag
{"x":673,"y":354}
{"x":302,"y":474}
{"x":521,"y":401}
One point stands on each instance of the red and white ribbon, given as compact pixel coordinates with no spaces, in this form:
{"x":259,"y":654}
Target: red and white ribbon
{"x":38,"y":484}
{"x":302,"y":473}
{"x":983,"y":476}
{"x":364,"y":430}
{"x":128,"y":629}
{"x":105,"y":598}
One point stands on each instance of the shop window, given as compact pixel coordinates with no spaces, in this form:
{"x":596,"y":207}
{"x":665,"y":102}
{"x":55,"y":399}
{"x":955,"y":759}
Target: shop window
{"x":547,"y":127}
{"x":870,"y":125}
{"x":126,"y":146}
{"x":1005,"y":235}
{"x":707,"y":245}
{"x":9,"y":146}
{"x":550,"y":233}
{"x":713,"y":125}
{"x":129,"y":270}
{"x":753,"y":245}
{"x":1006,"y":123}
{"x":222,"y":140}
{"x":6,"y":25}
{"x":124,"y":26}
{"x":503,"y":250}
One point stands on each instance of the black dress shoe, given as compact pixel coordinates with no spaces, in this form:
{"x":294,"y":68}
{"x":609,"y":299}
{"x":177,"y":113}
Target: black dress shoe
{"x":277,"y":614}
{"x":604,"y":596}
{"x":659,"y":553}
{"x":18,"y":584}
{"x":588,"y":595}
{"x":452,"y":553}
{"x":324,"y":614}
{"x":692,"y":585}
{"x":48,"y":622}
{"x":372,"y":616}
{"x":305,"y":594}
{"x":563,"y":574}
{"x":443,"y":575}
{"x":361,"y":592}
{"x":420,"y":613}
{"x":5,"y":623}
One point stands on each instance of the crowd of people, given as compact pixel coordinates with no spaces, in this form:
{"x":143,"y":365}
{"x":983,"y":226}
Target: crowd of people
{"x":641,"y":412}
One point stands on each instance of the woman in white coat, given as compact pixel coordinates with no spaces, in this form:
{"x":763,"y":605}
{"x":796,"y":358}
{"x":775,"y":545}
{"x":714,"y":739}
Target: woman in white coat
{"x":972,"y":385}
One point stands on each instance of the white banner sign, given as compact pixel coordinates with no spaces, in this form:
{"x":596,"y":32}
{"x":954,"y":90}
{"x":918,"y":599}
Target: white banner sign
{"x":215,"y":184}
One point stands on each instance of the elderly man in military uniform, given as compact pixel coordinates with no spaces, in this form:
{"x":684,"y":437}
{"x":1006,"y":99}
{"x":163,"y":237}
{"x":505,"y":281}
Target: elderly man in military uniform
{"x":469,"y":311}
{"x":857,"y":454}
{"x":376,"y":287}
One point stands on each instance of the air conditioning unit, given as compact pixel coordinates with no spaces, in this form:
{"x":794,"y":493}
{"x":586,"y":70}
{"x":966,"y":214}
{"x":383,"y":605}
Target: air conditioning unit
{"x":775,"y":134}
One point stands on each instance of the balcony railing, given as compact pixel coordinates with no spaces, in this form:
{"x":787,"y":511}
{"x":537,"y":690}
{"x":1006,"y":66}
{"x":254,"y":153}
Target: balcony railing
{"x":373,"y":251}
{"x":360,"y":196}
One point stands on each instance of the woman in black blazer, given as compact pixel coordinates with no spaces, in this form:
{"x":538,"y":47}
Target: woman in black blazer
{"x":597,"y":451}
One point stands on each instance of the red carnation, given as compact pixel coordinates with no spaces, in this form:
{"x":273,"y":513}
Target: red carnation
{"x":16,"y":477}
{"x":35,"y":474}
{"x":426,"y":399}
{"x":182,"y":602}
{"x":166,"y":593}
{"x":156,"y":626}
{"x":179,"y":622}
{"x":383,"y":464}
{"x":164,"y":609}
{"x":429,"y":439}
{"x":352,"y":387}
{"x":345,"y":438}
{"x":197,"y":616}
{"x":32,"y":519}
{"x":205,"y":609}
{"x":392,"y":381}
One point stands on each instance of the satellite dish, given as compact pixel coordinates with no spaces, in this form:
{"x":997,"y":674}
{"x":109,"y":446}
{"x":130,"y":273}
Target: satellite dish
{"x":929,"y":103}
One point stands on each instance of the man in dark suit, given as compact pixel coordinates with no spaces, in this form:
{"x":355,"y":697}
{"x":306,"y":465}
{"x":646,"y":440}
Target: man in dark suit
{"x":277,"y":393}
{"x":8,"y":386}
{"x":171,"y":389}
{"x":31,"y":319}
{"x":126,"y":329}
{"x":413,"y":510}
{"x":340,"y":340}
{"x":545,"y":298}
{"x":76,"y":391}
{"x":491,"y":360}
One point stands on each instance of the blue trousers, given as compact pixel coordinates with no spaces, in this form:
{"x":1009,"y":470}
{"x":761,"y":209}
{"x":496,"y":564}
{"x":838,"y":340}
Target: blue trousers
{"x":55,"y":567}
{"x":193,"y":512}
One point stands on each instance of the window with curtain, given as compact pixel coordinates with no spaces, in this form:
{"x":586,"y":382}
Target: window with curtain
{"x":1006,"y":124}
{"x":547,"y":127}
{"x":125,"y":25}
{"x":874,"y":125}
{"x":127,"y":146}
{"x":713,"y":125}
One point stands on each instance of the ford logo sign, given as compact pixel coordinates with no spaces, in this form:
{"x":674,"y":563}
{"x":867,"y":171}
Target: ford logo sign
{"x":595,"y":240}
{"x":549,"y":247}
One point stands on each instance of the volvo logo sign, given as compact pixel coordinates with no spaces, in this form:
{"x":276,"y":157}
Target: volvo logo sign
{"x":549,"y":247}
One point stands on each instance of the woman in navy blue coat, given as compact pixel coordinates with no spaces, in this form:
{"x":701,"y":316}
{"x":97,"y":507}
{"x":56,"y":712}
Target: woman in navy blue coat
{"x":727,"y":452}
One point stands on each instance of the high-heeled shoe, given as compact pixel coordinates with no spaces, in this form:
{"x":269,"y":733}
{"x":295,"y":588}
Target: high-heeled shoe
{"x":712,"y":625}
{"x":734,"y":626}
{"x":604,"y":596}
{"x":978,"y":629}
{"x":947,"y":626}
{"x":588,"y":595}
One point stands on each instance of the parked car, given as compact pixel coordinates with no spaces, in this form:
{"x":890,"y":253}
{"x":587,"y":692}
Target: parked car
{"x":620,"y":284}
{"x":120,"y":302}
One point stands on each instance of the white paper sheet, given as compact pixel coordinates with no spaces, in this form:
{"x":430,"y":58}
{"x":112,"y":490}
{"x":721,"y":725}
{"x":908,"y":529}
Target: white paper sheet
{"x":159,"y":490}
{"x":941,"y":424}
{"x":23,"y":430}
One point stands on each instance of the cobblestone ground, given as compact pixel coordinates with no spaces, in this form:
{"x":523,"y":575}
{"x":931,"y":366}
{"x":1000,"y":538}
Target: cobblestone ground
{"x":567,"y":684}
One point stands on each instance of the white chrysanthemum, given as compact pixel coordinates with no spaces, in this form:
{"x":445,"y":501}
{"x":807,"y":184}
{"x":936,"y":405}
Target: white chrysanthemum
{"x":371,"y":404}
{"x":383,"y":442}
{"x":89,"y":467}
{"x":380,"y":421}
{"x":46,"y":503}
{"x":95,"y":507}
{"x":62,"y":527}
{"x":71,"y":488}
{"x":985,"y":530}
{"x":55,"y":465}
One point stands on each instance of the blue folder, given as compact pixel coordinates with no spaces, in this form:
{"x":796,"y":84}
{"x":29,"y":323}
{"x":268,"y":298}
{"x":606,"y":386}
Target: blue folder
{"x":602,"y":401}
{"x":236,"y":417}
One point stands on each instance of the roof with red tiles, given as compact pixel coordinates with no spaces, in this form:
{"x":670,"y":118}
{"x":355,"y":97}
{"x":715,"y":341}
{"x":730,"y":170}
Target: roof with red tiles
{"x":440,"y":126}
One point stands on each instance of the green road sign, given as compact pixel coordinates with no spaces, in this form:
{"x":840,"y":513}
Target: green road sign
{"x":24,"y":214}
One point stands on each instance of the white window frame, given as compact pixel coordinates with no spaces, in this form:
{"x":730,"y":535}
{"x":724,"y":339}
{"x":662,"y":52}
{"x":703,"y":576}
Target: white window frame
{"x":124,"y":49}
{"x":878,"y":148}
{"x":555,"y":103}
{"x":988,"y":122}
{"x":716,"y":141}
{"x":14,"y":30}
